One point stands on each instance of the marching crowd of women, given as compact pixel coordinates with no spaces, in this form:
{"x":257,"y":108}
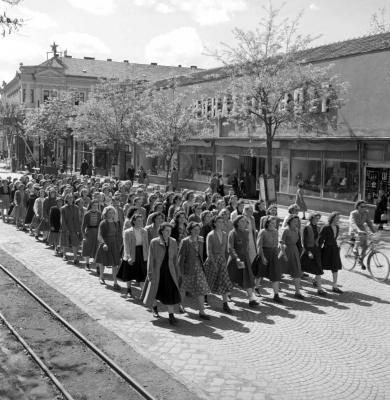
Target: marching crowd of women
{"x":172,"y":244}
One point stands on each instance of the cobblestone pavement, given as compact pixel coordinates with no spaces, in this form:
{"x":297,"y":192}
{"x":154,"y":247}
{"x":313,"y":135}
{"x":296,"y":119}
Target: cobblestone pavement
{"x":323,"y":348}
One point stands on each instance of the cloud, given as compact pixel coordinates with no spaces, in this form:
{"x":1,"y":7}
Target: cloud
{"x":36,"y":20}
{"x":81,"y":44}
{"x":97,"y":7}
{"x":313,"y":7}
{"x":180,"y":46}
{"x":205,"y":12}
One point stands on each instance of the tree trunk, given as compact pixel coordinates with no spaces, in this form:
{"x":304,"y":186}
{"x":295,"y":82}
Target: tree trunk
{"x":169,"y":161}
{"x":269,"y":149}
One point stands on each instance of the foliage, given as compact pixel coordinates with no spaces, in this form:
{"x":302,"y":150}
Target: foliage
{"x":7,"y":23}
{"x":380,"y":23}
{"x":168,"y":122}
{"x":112,"y":113}
{"x":51,"y":120}
{"x":273,"y":86}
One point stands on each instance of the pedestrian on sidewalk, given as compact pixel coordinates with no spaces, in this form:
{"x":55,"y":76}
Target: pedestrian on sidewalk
{"x":215,"y":265}
{"x":163,"y":273}
{"x":190,"y":261}
{"x":300,"y":200}
{"x":20,"y":202}
{"x":267,"y":265}
{"x":311,"y":254}
{"x":89,"y":230}
{"x":38,"y":211}
{"x":70,"y":235}
{"x":330,"y":251}
{"x":55,"y":225}
{"x":48,"y":203}
{"x":135,"y":253}
{"x":380,"y":215}
{"x":110,"y":240}
{"x":239,"y":267}
{"x":31,"y":221}
{"x":5,"y":199}
{"x":291,"y":262}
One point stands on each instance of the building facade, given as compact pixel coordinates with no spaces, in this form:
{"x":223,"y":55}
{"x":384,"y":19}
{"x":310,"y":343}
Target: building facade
{"x":338,"y":167}
{"x":61,"y":72}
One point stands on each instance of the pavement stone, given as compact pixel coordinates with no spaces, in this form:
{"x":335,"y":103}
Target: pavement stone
{"x":323,"y":348}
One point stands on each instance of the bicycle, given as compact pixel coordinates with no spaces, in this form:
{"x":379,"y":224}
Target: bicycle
{"x":378,"y":264}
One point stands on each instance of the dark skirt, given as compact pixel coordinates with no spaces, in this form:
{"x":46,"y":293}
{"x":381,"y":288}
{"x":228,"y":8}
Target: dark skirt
{"x":69,"y":239}
{"x":5,"y":201}
{"x":90,"y":243}
{"x":43,"y":225}
{"x":136,"y":271}
{"x":312,"y":265}
{"x":29,"y":215}
{"x":272,"y":270}
{"x":167,"y":292}
{"x":241,"y":277}
{"x":54,"y":238}
{"x":111,"y":256}
{"x":330,"y":257}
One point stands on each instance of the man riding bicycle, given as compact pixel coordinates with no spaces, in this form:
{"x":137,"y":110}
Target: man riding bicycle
{"x":358,"y":220}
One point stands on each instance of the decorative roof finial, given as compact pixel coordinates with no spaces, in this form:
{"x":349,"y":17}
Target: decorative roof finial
{"x":54,"y":49}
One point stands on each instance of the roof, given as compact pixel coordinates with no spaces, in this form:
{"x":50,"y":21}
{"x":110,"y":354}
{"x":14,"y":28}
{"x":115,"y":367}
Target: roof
{"x":118,"y":70}
{"x":328,"y":52}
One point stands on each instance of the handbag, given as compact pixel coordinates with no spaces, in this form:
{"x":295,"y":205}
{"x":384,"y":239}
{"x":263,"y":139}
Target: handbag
{"x":384,"y":217}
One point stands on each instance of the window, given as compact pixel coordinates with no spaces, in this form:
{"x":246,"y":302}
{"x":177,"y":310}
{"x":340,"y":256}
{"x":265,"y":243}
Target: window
{"x":23,"y":95}
{"x":79,"y":97}
{"x":49,"y":94}
{"x":306,"y":169}
{"x":197,"y":167}
{"x":341,"y":180}
{"x":32,"y":97}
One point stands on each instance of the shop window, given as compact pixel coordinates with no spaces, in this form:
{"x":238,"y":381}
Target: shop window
{"x":32,"y":97}
{"x":377,"y":182}
{"x":283,"y":181}
{"x":341,"y":180}
{"x":197,"y":167}
{"x":308,"y":172}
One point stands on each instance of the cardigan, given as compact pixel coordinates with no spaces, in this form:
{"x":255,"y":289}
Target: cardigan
{"x":129,"y":244}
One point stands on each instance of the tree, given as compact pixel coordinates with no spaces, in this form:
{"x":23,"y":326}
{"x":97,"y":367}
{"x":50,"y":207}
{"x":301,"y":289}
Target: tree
{"x":379,"y":22}
{"x":169,"y":121}
{"x":51,"y":121}
{"x":7,"y":23}
{"x":112,"y":114}
{"x":272,"y":86}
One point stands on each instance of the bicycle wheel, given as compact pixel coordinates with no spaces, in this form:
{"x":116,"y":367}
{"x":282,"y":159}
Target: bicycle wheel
{"x":348,"y":258}
{"x":378,"y":266}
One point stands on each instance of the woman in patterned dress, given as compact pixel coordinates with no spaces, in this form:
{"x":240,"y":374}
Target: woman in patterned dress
{"x":215,"y":264}
{"x":190,"y":262}
{"x":290,"y":253}
{"x":89,"y":229}
{"x":239,"y":267}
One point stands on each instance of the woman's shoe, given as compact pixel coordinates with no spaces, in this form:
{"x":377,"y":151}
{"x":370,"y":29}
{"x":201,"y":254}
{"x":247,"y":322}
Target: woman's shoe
{"x":172,"y":319}
{"x":102,"y":281}
{"x":65,"y":258}
{"x":277,"y":299}
{"x":129,"y":292}
{"x":253,"y":303}
{"x":116,"y":287}
{"x":257,"y":291}
{"x":322,"y":293}
{"x":226,"y":308}
{"x":155,"y":312}
{"x":76,"y":261}
{"x":88,"y":267}
{"x":204,"y":316}
{"x":299,"y":296}
{"x":337,"y":290}
{"x":206,"y":300}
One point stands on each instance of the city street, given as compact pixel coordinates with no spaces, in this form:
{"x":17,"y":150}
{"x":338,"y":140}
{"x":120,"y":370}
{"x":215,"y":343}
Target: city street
{"x":322,"y":348}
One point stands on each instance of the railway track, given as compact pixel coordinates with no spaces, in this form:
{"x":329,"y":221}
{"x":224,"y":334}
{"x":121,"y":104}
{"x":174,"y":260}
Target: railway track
{"x":69,"y":343}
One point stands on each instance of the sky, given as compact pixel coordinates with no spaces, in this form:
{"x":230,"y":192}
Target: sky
{"x":169,"y":32}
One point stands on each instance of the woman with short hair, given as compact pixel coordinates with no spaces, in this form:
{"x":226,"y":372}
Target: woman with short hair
{"x":89,"y":230}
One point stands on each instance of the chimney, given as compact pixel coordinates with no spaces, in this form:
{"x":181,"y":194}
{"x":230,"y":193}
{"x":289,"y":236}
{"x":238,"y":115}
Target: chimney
{"x":109,"y":59}
{"x":89,"y":58}
{"x":126,"y":61}
{"x":153,"y":63}
{"x":194,"y":67}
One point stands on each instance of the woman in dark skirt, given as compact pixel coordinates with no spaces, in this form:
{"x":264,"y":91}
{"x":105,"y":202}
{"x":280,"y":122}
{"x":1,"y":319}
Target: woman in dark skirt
{"x":311,"y":254}
{"x":267,"y":265}
{"x":89,"y":229}
{"x":239,"y":268}
{"x":330,"y":251}
{"x":28,"y":221}
{"x":48,"y":203}
{"x":110,"y":239}
{"x":135,"y":254}
{"x":162,"y":282}
{"x":55,"y":225}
